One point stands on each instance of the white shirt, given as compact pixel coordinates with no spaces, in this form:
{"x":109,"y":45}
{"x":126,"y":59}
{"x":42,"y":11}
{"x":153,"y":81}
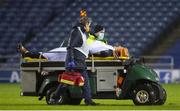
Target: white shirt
{"x":98,"y":46}
{"x":59,"y":54}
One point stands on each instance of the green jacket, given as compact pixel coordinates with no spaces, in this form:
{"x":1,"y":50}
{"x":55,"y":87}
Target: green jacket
{"x":92,"y":37}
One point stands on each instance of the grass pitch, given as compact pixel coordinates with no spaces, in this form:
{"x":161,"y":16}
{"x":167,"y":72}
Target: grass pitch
{"x":10,"y":99}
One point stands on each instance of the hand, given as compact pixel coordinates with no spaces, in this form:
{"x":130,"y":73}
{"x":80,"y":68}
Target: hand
{"x":71,"y":64}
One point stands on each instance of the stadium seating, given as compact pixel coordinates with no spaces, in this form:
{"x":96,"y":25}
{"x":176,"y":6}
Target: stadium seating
{"x":21,"y":20}
{"x":43,"y":25}
{"x":131,"y":23}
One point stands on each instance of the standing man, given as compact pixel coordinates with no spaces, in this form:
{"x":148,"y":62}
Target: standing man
{"x":77,"y":52}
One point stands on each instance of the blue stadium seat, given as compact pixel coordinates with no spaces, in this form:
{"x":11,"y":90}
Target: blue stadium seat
{"x":44,"y":24}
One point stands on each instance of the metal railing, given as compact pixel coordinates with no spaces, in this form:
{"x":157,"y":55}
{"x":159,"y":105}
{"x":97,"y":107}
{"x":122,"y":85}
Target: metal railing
{"x":159,"y":62}
{"x":9,"y":62}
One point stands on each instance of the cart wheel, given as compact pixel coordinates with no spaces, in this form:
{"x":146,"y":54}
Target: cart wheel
{"x":143,"y":95}
{"x":161,"y":95}
{"x":163,"y":100}
{"x":75,"y":101}
{"x":63,"y":99}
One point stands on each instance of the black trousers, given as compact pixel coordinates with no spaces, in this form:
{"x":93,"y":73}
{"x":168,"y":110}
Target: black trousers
{"x":33,"y":55}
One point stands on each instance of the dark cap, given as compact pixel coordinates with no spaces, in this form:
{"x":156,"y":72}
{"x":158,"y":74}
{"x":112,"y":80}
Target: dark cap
{"x":98,"y":28}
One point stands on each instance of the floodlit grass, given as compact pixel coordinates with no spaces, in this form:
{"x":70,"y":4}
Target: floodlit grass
{"x":10,"y":99}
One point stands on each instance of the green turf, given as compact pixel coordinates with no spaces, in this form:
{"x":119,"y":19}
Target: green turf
{"x":10,"y":99}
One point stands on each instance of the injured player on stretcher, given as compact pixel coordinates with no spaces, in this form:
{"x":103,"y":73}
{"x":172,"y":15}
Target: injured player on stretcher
{"x":96,"y":43}
{"x":97,"y":48}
